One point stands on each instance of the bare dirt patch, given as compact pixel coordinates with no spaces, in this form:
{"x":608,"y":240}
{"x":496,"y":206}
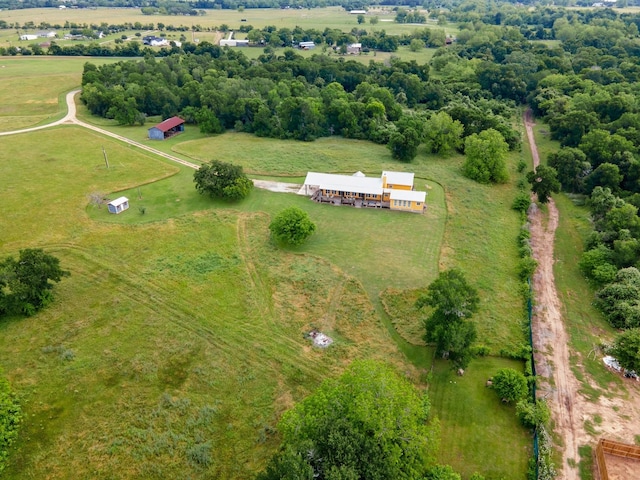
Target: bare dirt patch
{"x":620,"y":468}
{"x":619,"y":418}
{"x":281,"y":187}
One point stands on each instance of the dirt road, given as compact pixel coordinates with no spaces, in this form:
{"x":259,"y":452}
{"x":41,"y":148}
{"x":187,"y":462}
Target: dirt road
{"x":619,"y":418}
{"x":549,"y":334}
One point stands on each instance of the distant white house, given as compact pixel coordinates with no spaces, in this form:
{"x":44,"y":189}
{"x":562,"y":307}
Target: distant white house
{"x":354,"y":48}
{"x":45,"y":34}
{"x":118,"y":205}
{"x":358,"y":12}
{"x":159,"y":42}
{"x":28,"y":37}
{"x":233,"y":42}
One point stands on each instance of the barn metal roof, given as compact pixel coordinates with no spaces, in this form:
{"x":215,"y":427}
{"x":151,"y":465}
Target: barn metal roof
{"x":169,"y":123}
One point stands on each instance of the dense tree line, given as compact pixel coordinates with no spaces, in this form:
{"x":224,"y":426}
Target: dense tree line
{"x":289,"y":96}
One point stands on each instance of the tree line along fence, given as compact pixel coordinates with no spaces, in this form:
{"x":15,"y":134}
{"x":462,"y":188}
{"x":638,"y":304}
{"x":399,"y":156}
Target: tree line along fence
{"x":617,"y":449}
{"x":536,"y":449}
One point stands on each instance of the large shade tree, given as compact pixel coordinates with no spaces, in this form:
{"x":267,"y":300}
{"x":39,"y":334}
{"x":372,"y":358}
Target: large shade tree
{"x":25,"y":282}
{"x":544,"y":182}
{"x":292,"y":226}
{"x":222,"y":180}
{"x":369,"y":423}
{"x":453,"y":301}
{"x":442,"y":133}
{"x":486,"y":154}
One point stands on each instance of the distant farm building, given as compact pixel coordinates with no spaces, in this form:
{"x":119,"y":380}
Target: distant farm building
{"x":47,"y":34}
{"x":306,"y":45}
{"x":28,"y":37}
{"x":358,"y":12}
{"x":170,"y":127}
{"x":393,"y":190}
{"x":154,"y":41}
{"x":118,"y":205}
{"x":233,"y":42}
{"x":354,"y":48}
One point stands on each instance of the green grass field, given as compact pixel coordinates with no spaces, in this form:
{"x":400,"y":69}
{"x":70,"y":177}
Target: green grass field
{"x":476,"y":425}
{"x":33,"y":89}
{"x":318,"y":18}
{"x":177,"y":342}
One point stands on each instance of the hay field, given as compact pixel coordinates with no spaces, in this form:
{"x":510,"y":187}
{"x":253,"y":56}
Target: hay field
{"x":319,"y":18}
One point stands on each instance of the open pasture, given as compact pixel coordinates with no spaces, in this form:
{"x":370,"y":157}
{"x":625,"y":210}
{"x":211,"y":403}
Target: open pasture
{"x":317,"y":18}
{"x":174,"y":345}
{"x":32,"y":88}
{"x":177,"y":342}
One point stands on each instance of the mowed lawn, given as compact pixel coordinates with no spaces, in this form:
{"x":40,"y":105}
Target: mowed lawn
{"x":478,"y":432}
{"x":176,"y":315}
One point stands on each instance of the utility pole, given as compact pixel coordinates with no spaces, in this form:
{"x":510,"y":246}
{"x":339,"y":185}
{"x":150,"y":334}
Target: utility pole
{"x":106,"y":160}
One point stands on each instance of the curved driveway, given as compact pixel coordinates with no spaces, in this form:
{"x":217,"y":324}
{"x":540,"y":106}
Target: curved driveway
{"x":70,"y":118}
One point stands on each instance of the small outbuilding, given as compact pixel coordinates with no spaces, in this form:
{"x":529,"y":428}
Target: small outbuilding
{"x":118,"y":205}
{"x":170,"y":127}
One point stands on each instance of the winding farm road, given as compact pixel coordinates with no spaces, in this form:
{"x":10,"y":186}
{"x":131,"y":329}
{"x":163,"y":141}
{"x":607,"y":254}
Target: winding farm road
{"x":70,"y":118}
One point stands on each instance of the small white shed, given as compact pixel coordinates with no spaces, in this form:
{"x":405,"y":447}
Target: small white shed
{"x":118,"y":205}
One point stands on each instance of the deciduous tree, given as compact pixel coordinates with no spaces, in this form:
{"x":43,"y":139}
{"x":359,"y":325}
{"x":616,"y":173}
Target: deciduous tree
{"x":453,"y":301}
{"x":510,"y":385}
{"x":222,"y":180}
{"x":544,"y":182}
{"x":486,"y":153}
{"x":404,"y":145}
{"x":626,"y":349}
{"x":619,"y":301}
{"x":442,"y":133}
{"x":10,"y":419}
{"x":292,"y":226}
{"x":25,"y":283}
{"x":369,"y":423}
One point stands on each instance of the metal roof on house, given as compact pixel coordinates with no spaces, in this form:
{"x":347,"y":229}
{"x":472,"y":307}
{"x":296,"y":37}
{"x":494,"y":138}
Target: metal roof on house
{"x":169,"y":123}
{"x":399,"y":178}
{"x":410,"y":195}
{"x":118,"y":201}
{"x":345,"y":183}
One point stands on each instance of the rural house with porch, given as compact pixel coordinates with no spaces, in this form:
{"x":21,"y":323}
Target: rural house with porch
{"x":393,"y":190}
